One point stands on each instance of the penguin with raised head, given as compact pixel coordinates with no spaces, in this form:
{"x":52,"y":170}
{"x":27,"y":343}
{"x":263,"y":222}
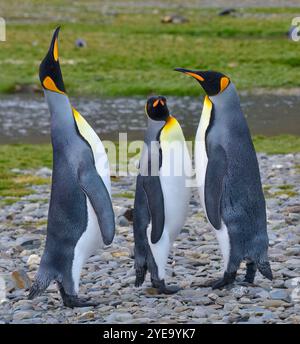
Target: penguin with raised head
{"x":81,"y":217}
{"x":229,"y":181}
{"x":162,"y":194}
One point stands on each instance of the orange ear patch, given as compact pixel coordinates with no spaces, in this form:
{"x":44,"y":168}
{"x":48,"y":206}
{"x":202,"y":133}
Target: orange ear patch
{"x":224,"y":83}
{"x":162,"y":102}
{"x":49,"y":84}
{"x":55,"y":50}
{"x":196,"y":76}
{"x":156,"y":103}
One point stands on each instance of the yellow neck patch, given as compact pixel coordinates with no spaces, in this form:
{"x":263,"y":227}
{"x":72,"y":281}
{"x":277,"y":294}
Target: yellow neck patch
{"x":205,"y":119}
{"x":224,"y":83}
{"x":171,"y":131}
{"x":85,"y":130}
{"x":49,"y":84}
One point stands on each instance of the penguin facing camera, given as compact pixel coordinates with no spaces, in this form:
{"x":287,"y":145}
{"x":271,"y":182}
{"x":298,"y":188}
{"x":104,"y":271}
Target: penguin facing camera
{"x":229,"y":181}
{"x":81,"y":217}
{"x":162,"y":194}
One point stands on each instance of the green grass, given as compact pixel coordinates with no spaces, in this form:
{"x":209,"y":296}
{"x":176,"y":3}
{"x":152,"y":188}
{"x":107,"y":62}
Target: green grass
{"x":133,"y":53}
{"x":282,"y":144}
{"x":129,"y":195}
{"x":29,"y":156}
{"x":13,"y":185}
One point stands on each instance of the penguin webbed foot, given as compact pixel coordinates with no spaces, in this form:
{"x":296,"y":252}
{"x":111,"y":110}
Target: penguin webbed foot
{"x":72,"y":301}
{"x":227,"y":279}
{"x":250,"y":273}
{"x":162,"y":288}
{"x":140,"y":276}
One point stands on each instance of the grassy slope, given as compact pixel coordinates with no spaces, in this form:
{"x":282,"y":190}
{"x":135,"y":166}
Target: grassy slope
{"x":134,"y":53}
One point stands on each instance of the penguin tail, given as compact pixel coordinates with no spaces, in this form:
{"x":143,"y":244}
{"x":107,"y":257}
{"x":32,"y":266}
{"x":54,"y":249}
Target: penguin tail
{"x":265,"y":269}
{"x":39,"y":285}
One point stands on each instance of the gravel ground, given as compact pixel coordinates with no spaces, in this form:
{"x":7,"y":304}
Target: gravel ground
{"x":109,"y":276}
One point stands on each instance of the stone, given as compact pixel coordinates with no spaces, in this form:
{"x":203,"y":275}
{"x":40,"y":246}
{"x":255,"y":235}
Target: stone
{"x":21,"y":279}
{"x":278,"y":294}
{"x":122,"y":221}
{"x":199,"y":312}
{"x":275,"y":303}
{"x":175,"y":19}
{"x":119,"y":317}
{"x":33,"y":259}
{"x":87,"y":315}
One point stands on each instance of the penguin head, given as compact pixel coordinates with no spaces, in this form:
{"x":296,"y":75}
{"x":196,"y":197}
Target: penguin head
{"x":156,"y":108}
{"x":212,"y":82}
{"x":50,"y":73}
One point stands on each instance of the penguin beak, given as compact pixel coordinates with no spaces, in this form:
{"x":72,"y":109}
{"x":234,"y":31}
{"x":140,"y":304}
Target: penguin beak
{"x":50,"y":73}
{"x":54,"y":44}
{"x":192,"y":73}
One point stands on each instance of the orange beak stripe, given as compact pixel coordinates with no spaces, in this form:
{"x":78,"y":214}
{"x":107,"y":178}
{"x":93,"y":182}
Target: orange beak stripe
{"x":194,"y":75}
{"x":156,"y":103}
{"x":55,"y":50}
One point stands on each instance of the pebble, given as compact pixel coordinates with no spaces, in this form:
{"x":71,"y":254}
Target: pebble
{"x":21,"y":279}
{"x":194,"y":262}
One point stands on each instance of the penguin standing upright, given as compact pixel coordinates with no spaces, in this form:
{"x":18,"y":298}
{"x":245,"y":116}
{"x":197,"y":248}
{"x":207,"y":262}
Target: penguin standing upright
{"x":228,"y":178}
{"x":162,"y":194}
{"x":81,"y":217}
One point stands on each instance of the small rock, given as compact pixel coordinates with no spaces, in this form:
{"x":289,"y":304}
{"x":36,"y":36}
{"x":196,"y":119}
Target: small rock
{"x":278,"y":294}
{"x":44,"y":172}
{"x":199,"y":312}
{"x":174,"y":19}
{"x":129,"y":214}
{"x":119,"y":317}
{"x":33,"y":259}
{"x":87,"y":315}
{"x":275,"y":303}
{"x":239,"y":291}
{"x":122,"y":221}
{"x":21,"y":279}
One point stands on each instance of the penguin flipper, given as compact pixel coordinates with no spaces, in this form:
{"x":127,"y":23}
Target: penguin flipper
{"x":155,"y":200}
{"x":93,"y":186}
{"x":215,"y":172}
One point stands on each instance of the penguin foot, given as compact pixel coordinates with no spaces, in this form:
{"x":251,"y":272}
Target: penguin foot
{"x":163,"y":289}
{"x":72,"y":301}
{"x":140,"y":277}
{"x":251,"y":271}
{"x":228,"y":278}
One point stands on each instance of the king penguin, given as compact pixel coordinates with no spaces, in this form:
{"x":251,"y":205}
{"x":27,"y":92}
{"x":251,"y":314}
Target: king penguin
{"x":162,"y":194}
{"x":229,"y":181}
{"x":81,"y":217}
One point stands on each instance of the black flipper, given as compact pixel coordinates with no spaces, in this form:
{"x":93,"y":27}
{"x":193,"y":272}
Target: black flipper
{"x":93,"y":186}
{"x":215,"y":172}
{"x":155,"y":200}
{"x":141,"y":220}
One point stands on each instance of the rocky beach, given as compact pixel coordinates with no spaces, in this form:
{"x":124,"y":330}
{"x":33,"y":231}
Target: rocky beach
{"x":195,"y":260}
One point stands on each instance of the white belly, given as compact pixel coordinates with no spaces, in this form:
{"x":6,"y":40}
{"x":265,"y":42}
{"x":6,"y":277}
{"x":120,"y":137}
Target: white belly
{"x":174,"y":179}
{"x":201,"y":161}
{"x":91,"y":240}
